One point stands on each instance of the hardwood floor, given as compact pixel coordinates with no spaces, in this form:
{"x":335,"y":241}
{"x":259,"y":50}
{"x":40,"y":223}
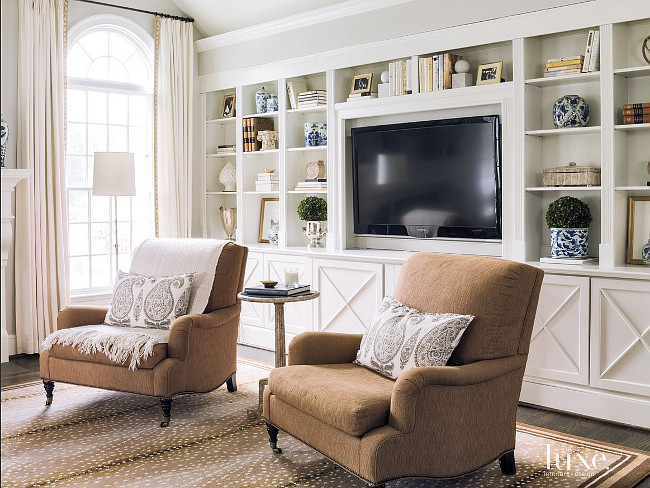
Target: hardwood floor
{"x":22,"y":369}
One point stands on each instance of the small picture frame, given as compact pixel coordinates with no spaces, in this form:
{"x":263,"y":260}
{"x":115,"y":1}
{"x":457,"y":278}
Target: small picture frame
{"x":269,"y":211}
{"x":489,"y":73}
{"x":361,"y":84}
{"x":638,"y":228}
{"x":228,"y":109}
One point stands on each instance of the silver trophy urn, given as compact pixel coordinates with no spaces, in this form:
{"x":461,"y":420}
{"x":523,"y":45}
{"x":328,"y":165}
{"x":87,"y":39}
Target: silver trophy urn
{"x":229,"y":221}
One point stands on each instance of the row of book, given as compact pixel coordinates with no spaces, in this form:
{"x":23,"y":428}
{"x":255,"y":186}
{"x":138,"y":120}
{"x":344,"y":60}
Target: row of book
{"x":636,"y":113}
{"x":225,"y":148}
{"x":435,"y":72}
{"x":312,"y":184}
{"x":569,"y":65}
{"x":312,"y":98}
{"x":399,"y":77}
{"x":267,"y":182}
{"x":592,"y":52}
{"x":252,"y":126}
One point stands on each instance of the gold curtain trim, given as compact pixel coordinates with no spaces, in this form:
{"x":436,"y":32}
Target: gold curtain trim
{"x":155,"y":125}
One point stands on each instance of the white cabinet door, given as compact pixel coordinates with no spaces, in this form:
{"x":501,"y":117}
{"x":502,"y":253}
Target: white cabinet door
{"x":297,"y":316}
{"x":252,"y":314}
{"x":350,"y":292}
{"x":559,"y":346}
{"x":391,"y":272}
{"x":620,"y":335}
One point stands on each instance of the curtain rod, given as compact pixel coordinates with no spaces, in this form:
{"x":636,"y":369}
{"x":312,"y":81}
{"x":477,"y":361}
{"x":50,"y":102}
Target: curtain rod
{"x":132,"y":9}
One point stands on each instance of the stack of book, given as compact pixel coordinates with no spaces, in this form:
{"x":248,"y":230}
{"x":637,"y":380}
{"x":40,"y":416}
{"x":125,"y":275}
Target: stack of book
{"x":636,"y":113}
{"x":312,"y":184}
{"x":399,"y":77}
{"x":359,"y":96}
{"x":226,"y":148}
{"x":279,"y":290}
{"x":293,"y":89}
{"x":563,"y":66}
{"x":267,"y":182}
{"x":592,"y":52}
{"x":435,"y":72}
{"x":251,"y":126}
{"x":312,"y":98}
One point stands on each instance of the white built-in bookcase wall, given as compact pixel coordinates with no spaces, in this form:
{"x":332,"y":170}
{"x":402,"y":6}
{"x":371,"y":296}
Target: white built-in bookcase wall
{"x":530,"y":142}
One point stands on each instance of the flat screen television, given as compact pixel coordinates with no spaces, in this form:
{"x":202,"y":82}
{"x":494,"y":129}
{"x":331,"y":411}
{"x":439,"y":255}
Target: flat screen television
{"x":439,"y":178}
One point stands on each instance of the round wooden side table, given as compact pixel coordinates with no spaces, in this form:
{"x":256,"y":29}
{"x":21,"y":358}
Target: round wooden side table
{"x":280,"y":347}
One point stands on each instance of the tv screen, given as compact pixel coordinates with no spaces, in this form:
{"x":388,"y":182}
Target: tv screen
{"x":439,"y":178}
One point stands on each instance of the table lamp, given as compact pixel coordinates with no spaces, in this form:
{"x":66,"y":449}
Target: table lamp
{"x":113,"y":176}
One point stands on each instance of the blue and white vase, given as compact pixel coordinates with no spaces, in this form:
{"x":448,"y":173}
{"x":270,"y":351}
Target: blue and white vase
{"x":570,"y":111}
{"x":261,"y":96}
{"x":569,"y":243}
{"x":312,"y":134}
{"x":272,"y":103}
{"x":323,"y":134}
{"x":645,"y":254}
{"x":4,"y":135}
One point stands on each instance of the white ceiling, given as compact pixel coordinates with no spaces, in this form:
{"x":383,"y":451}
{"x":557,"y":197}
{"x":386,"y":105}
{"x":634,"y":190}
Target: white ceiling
{"x":217,"y":17}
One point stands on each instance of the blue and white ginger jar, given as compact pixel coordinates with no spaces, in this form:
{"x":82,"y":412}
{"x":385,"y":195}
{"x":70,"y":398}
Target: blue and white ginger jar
{"x":313,"y":134}
{"x":261,"y":96}
{"x":323,"y":134}
{"x":570,"y":111}
{"x":569,"y":243}
{"x":272,"y":103}
{"x":645,"y":254}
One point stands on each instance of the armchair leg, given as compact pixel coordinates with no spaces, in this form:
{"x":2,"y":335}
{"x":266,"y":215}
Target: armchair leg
{"x":370,"y":485}
{"x":507,"y":463}
{"x":273,"y":438}
{"x":166,"y":404}
{"x":49,"y":388}
{"x":231,"y":383}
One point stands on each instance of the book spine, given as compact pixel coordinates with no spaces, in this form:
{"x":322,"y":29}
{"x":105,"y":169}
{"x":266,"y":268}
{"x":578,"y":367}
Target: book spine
{"x":254,"y":130}
{"x":594,"y":61}
{"x":409,"y":77}
{"x":292,"y":101}
{"x":436,"y":60}
{"x":429,"y":74}
{"x":391,"y":78}
{"x":636,"y":111}
{"x":402,"y":65}
{"x":562,"y":73}
{"x":636,"y":105}
{"x":441,"y":72}
{"x":245,"y":133}
{"x":566,"y":66}
{"x":559,"y":64}
{"x":636,"y":119}
{"x":567,"y":58}
{"x":421,"y":77}
{"x":585,"y":64}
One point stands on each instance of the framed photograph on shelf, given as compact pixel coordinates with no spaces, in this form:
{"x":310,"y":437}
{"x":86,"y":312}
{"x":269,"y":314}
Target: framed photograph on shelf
{"x":638,"y":228}
{"x":269,"y":220}
{"x":361,"y":84}
{"x":228,"y":109}
{"x":489,"y":73}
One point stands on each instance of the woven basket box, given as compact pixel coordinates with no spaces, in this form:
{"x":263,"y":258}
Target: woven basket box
{"x":571,"y":175}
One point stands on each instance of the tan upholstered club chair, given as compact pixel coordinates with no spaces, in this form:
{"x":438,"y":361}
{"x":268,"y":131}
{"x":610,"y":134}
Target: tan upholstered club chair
{"x":434,"y":421}
{"x":201,"y":354}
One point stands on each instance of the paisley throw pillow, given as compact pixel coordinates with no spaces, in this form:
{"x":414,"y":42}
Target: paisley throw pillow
{"x":146,"y":301}
{"x":400,"y":338}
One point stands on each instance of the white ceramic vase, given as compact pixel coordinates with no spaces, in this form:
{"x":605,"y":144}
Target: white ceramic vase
{"x":228,"y":176}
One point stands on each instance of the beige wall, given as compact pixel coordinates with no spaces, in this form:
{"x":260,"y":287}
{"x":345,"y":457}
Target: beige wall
{"x":77,"y":11}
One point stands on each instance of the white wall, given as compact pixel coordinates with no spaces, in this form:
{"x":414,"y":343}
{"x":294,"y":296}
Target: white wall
{"x":77,"y":11}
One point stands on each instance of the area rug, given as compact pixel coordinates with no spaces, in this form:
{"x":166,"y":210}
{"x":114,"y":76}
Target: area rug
{"x":90,"y":437}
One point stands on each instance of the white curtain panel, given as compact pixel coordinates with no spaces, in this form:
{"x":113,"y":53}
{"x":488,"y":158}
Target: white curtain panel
{"x":41,"y":220}
{"x":174,"y":56}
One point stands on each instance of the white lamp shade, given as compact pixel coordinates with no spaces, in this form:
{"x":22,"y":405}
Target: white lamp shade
{"x":114,"y":174}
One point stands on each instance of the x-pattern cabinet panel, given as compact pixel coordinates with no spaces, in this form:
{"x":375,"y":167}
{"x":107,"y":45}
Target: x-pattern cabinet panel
{"x":252,"y":314}
{"x":559,"y":346}
{"x":350,"y":294}
{"x":620,"y":335}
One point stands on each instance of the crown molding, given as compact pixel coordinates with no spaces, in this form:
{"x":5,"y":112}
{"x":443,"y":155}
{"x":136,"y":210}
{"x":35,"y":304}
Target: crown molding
{"x":325,"y":14}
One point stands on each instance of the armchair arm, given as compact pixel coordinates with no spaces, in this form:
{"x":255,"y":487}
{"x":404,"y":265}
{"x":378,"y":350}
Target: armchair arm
{"x":323,"y":348}
{"x":459,"y":380}
{"x":76,"y":316}
{"x":182,"y":327}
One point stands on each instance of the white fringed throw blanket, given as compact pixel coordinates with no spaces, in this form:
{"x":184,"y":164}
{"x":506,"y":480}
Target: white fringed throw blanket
{"x":154,"y":257}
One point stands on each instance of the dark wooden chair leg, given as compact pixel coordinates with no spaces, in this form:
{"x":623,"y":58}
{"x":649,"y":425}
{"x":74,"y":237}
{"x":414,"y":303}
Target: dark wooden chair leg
{"x":273,"y":438}
{"x":166,"y":404}
{"x":370,"y":485}
{"x":49,"y":388}
{"x":507,"y":463}
{"x":231,"y":383}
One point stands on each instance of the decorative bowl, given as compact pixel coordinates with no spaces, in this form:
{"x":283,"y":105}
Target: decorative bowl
{"x":268,"y":170}
{"x":269,"y":283}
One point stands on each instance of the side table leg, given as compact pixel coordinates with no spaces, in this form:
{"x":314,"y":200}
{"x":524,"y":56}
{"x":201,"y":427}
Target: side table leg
{"x":280,"y":348}
{"x":252,"y":413}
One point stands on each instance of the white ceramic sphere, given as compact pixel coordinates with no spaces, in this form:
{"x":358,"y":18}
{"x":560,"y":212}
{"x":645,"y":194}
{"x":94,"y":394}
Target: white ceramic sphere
{"x":384,"y":77}
{"x":462,"y":66}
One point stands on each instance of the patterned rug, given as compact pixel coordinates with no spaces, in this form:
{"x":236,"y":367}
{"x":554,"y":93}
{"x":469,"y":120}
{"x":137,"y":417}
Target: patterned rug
{"x":91,"y":437}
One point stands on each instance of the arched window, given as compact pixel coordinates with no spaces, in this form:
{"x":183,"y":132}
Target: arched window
{"x":109,"y":108}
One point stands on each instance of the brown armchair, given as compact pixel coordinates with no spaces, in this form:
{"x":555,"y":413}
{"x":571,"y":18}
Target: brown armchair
{"x":435,"y":421}
{"x":200,"y":356}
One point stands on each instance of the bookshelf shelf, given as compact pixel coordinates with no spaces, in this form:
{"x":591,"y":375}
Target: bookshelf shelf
{"x":632,"y":127}
{"x":563,"y":188}
{"x":227,"y":120}
{"x":231,"y":193}
{"x":307,"y":110}
{"x":633,"y":188}
{"x":307,"y":149}
{"x":265,"y":115}
{"x":221,"y":155}
{"x":593,"y":76}
{"x":261,"y":153}
{"x":307,"y":192}
{"x":633,"y":72}
{"x":563,"y":131}
{"x":261,"y":192}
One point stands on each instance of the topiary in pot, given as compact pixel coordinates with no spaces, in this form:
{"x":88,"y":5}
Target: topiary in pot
{"x":313,"y":210}
{"x":569,"y":219}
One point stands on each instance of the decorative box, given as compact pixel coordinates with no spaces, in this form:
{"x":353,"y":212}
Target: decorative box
{"x":571,"y":175}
